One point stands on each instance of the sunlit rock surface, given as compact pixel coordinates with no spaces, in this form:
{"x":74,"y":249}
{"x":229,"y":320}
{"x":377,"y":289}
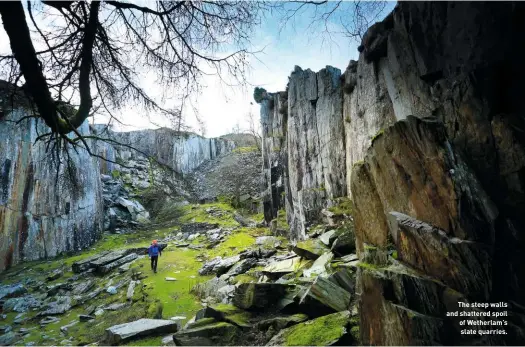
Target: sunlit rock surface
{"x":45,"y":209}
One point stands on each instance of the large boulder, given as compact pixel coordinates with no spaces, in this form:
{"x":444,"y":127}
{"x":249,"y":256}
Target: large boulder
{"x":320,"y":266}
{"x":242,"y":266}
{"x":228,"y":313}
{"x":326,"y":293}
{"x":286,"y":266}
{"x":137,"y":211}
{"x":218,"y":265}
{"x":108,"y":267}
{"x":281,"y":321}
{"x":328,"y":237}
{"x":310,"y":249}
{"x":21,"y":304}
{"x":61,"y":305}
{"x":258,"y":296}
{"x":209,"y":288}
{"x":12,"y":290}
{"x":84,"y":264}
{"x":345,"y":278}
{"x":143,"y":327}
{"x":9,"y":339}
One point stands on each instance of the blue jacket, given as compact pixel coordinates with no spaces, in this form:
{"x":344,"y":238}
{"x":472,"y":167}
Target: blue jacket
{"x":154,"y":250}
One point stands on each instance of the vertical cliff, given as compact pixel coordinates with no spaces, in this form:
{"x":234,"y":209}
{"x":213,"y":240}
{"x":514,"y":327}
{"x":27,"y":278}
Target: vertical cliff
{"x":44,"y":212}
{"x":182,"y":152}
{"x":308,"y":128}
{"x":433,"y":157}
{"x":274,"y":118}
{"x":444,"y":191}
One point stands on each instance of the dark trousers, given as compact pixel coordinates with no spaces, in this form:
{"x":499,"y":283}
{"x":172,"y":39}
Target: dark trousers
{"x":154,"y":260}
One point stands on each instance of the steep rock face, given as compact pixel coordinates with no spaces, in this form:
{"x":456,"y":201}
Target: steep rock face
{"x":366,"y":110}
{"x":442,"y":187}
{"x":43,"y":214}
{"x":434,"y":161}
{"x":313,"y":168}
{"x":274,"y":118}
{"x":183,"y":152}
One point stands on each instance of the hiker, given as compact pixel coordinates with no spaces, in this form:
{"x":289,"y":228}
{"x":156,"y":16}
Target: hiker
{"x":154,"y":251}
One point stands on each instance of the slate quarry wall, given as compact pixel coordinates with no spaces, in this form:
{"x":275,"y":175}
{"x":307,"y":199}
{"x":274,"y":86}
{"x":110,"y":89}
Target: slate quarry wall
{"x":425,"y":134}
{"x":44,"y":211}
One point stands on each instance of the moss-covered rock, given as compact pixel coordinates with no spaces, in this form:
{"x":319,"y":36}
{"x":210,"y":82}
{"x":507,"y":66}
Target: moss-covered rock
{"x":215,"y":334}
{"x":310,"y":249}
{"x":230,"y":314}
{"x":326,"y":293}
{"x":345,"y":241}
{"x":201,"y":322}
{"x":281,"y":322}
{"x":260,"y":296}
{"x":323,"y":331}
{"x":286,"y":266}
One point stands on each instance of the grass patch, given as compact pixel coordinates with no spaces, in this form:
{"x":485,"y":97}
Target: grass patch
{"x":322,"y":331}
{"x":198,"y":214}
{"x":245,"y":149}
{"x":344,"y":206}
{"x":154,"y":296}
{"x":234,"y":244}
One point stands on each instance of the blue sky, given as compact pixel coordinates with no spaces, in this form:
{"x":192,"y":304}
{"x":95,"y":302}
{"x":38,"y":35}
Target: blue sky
{"x":295,"y":44}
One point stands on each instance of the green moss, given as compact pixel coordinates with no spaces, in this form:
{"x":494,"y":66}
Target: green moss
{"x":198,"y":214}
{"x":155,"y":310}
{"x":354,"y":320}
{"x":245,"y":149}
{"x":154,"y":296}
{"x":368,"y":266}
{"x":356,"y":335}
{"x":234,"y":244}
{"x":313,"y":246}
{"x":257,"y":216}
{"x":377,"y":135}
{"x":115,"y":174}
{"x":370,"y":248}
{"x":394,"y":255}
{"x":232,"y":314}
{"x":411,"y":314}
{"x":322,"y":331}
{"x":149,"y":341}
{"x":348,"y":120}
{"x":244,"y":278}
{"x":202,"y":322}
{"x":343,"y":206}
{"x":358,"y":163}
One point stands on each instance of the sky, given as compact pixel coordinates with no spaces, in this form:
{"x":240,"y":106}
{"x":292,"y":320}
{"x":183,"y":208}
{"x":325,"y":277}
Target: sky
{"x":223,"y":108}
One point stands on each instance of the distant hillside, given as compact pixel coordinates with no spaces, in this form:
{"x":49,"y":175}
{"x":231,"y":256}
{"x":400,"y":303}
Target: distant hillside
{"x":241,"y":140}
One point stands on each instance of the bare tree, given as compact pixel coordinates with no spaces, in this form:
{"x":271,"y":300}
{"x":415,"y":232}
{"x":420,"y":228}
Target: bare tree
{"x":350,"y":18}
{"x":93,"y":53}
{"x":254,"y":130}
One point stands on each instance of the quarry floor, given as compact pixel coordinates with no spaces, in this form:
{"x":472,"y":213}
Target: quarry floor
{"x":172,"y":298}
